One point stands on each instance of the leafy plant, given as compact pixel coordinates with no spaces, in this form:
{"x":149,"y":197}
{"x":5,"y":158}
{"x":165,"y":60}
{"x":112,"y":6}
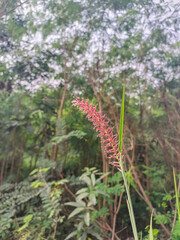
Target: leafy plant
{"x":15,"y":199}
{"x":45,"y":222}
{"x":86,"y":201}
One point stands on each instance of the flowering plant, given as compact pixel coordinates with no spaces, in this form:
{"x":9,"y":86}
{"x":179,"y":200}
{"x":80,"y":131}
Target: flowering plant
{"x":101,"y":126}
{"x":113,"y":146}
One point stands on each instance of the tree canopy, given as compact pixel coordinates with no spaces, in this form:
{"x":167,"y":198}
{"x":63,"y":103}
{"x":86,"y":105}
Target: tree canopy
{"x":54,"y":51}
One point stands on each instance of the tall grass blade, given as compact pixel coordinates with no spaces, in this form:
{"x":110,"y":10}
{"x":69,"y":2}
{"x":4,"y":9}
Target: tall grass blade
{"x":176,"y":192}
{"x":133,"y":224}
{"x":141,"y":238}
{"x":129,"y":202}
{"x":121,"y":121}
{"x":151,"y":229}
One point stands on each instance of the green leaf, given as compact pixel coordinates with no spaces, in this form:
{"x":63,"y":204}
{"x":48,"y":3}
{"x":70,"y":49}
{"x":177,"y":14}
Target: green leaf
{"x":103,"y":176}
{"x":51,"y":213}
{"x":92,"y":198}
{"x":84,"y":236}
{"x":28,"y":218}
{"x":102,"y":193}
{"x":93,"y":179}
{"x":76,"y":204}
{"x":155,"y":232}
{"x":37,"y":184}
{"x":167,"y":197}
{"x":71,"y":235}
{"x":121,"y":121}
{"x":151,"y":230}
{"x":33,"y":172}
{"x":80,"y":226}
{"x":87,"y":218}
{"x":161,"y":219}
{"x":82,"y":190}
{"x":23,"y":227}
{"x":76,"y":211}
{"x":76,"y":133}
{"x":95,"y":234}
{"x":176,"y":231}
{"x":82,"y":195}
{"x":44,"y":170}
{"x":86,"y":179}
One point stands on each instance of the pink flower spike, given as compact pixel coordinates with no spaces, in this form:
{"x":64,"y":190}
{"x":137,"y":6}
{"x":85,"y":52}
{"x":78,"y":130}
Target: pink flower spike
{"x":101,"y":126}
{"x":116,"y":164}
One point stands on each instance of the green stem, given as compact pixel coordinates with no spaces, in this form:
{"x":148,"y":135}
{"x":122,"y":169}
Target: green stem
{"x":129,"y":203}
{"x":176,"y":192}
{"x":130,"y":207}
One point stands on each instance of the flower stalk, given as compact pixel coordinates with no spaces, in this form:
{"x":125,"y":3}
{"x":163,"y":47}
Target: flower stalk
{"x":113,"y":145}
{"x":129,"y":202}
{"x":102,"y":126}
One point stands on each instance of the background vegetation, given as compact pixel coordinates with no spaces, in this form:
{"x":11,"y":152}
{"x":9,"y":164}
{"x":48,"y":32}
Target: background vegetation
{"x":53,"y":51}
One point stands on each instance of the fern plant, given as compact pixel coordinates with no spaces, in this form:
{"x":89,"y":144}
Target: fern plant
{"x":44,"y":220}
{"x":14,"y":200}
{"x":32,"y":209}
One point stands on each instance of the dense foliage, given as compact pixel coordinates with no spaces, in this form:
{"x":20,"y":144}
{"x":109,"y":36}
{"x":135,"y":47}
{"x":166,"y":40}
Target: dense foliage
{"x":53,"y":51}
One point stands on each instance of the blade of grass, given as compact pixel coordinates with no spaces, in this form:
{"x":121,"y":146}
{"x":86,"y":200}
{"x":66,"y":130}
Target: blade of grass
{"x":176,"y":192}
{"x":129,"y":202}
{"x":130,"y":207}
{"x":141,"y":236}
{"x":131,"y":217}
{"x":121,"y":121}
{"x":151,"y":229}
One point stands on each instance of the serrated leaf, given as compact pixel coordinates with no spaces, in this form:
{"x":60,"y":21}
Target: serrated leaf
{"x":167,"y":197}
{"x":161,"y":219}
{"x":176,"y":231}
